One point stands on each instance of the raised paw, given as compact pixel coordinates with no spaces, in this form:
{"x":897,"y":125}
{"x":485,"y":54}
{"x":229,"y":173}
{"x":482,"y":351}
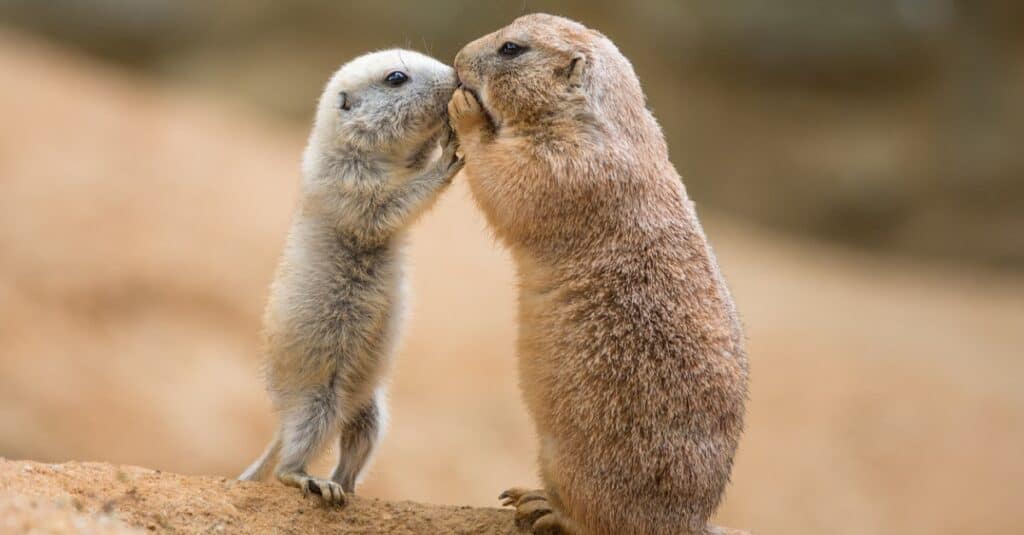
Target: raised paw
{"x":465,"y":112}
{"x":450,"y":162}
{"x":330,"y":492}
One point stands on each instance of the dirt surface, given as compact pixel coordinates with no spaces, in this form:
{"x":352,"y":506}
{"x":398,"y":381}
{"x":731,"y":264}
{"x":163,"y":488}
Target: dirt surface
{"x":139,"y":227}
{"x":103,"y":498}
{"x":100,"y":498}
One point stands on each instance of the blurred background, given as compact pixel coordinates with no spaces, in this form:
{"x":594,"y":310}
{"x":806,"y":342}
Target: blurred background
{"x":857,"y":164}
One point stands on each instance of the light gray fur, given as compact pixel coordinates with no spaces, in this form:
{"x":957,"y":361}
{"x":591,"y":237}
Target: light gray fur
{"x":336,"y":303}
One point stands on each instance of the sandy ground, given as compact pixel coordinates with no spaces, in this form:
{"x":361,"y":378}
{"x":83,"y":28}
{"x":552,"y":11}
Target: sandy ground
{"x":139,"y":227}
{"x":101,"y":498}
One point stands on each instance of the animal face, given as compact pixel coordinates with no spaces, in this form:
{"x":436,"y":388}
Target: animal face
{"x":384,"y":102}
{"x":527,"y":69}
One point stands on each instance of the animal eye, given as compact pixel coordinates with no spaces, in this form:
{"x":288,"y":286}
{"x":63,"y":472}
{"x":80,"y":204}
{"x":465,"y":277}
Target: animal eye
{"x":511,"y":50}
{"x":396,"y":78}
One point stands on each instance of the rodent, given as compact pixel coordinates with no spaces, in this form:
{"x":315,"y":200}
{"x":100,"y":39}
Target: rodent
{"x":335,"y":306}
{"x":631,"y":355}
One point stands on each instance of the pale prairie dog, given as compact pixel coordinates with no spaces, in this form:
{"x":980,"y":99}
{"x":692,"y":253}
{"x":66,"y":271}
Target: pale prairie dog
{"x":333,"y":315}
{"x":631,"y":356}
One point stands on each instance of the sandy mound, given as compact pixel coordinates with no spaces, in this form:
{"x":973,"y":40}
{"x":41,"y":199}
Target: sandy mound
{"x":101,"y":498}
{"x":139,"y":227}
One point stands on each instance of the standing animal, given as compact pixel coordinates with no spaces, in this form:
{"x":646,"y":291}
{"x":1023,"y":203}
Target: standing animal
{"x":332,"y":320}
{"x":631,"y":356}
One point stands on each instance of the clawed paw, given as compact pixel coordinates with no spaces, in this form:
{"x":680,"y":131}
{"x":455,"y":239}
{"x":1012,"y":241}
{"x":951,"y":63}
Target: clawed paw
{"x":330,"y":492}
{"x":534,"y":513}
{"x":515,"y":496}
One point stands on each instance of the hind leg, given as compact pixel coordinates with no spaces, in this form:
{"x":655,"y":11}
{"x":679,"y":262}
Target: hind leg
{"x":360,"y":435}
{"x":541,"y":512}
{"x":258,"y":470}
{"x":305,"y":429}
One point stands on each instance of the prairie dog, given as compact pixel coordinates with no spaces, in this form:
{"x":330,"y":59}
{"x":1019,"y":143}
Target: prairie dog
{"x":333,"y":315}
{"x":631,"y":357}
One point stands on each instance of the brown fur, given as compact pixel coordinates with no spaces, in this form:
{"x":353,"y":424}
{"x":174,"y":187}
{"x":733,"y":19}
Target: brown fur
{"x":631,"y":355}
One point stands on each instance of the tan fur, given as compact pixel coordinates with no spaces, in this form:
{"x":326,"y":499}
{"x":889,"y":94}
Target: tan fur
{"x":631,"y":356}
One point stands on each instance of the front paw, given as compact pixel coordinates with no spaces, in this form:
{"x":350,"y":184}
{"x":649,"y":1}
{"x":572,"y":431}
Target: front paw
{"x":465,"y":112}
{"x":449,"y":164}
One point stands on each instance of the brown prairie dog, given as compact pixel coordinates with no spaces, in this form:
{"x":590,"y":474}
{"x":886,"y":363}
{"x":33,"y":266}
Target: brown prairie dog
{"x":631,"y":356}
{"x":370,"y":168}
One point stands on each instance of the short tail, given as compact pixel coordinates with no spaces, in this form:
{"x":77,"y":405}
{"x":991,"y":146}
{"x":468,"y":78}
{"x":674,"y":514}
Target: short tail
{"x":261,"y":468}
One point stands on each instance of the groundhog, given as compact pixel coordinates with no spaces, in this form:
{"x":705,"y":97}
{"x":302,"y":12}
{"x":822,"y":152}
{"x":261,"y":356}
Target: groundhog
{"x":631,"y":356}
{"x":370,"y":168}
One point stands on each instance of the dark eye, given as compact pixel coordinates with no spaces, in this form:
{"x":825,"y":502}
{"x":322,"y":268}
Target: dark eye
{"x":396,"y":78}
{"x":511,"y":50}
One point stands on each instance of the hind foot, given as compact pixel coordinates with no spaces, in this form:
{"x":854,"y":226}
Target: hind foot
{"x":534,"y":513}
{"x":330,"y":492}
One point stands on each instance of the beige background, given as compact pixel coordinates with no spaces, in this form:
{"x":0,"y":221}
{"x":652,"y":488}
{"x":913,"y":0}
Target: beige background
{"x":140,"y":223}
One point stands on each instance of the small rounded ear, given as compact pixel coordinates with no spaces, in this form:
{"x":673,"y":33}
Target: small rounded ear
{"x":344,"y":102}
{"x":577,"y":67}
